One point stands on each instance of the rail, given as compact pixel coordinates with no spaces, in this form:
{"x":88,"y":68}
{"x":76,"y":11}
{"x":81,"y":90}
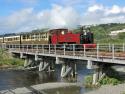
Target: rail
{"x":110,"y":51}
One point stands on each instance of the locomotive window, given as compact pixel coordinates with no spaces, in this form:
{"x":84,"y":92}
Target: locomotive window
{"x":46,"y":35}
{"x":9,"y":39}
{"x":33,"y":36}
{"x":24,"y":36}
{"x":37,"y":36}
{"x":28,"y":36}
{"x":16,"y":38}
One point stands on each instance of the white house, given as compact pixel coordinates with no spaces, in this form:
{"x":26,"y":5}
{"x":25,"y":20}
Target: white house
{"x":115,"y":33}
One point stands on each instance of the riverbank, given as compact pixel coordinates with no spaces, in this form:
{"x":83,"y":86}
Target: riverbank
{"x":7,"y":61}
{"x":109,"y":89}
{"x":39,"y":89}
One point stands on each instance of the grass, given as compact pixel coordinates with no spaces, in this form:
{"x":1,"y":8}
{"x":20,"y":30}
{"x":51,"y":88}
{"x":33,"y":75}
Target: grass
{"x":7,"y":59}
{"x":105,"y":81}
{"x":111,"y":78}
{"x":109,"y":81}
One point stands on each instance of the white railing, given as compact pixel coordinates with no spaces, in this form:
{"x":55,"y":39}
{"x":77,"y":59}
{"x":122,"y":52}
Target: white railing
{"x":100,"y":51}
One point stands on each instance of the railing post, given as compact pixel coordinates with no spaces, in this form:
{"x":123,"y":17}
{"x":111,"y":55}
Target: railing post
{"x":15,"y":46}
{"x":8,"y":46}
{"x":113,"y":51}
{"x":49,"y":48}
{"x":23,"y":48}
{"x":64,"y":49}
{"x":74,"y":49}
{"x":109,"y":47}
{"x":11,"y":46}
{"x":55,"y":48}
{"x":19,"y":46}
{"x":84,"y":50}
{"x":37,"y":48}
{"x":97,"y":49}
{"x":27,"y":48}
{"x":123,"y":47}
{"x":43,"y":48}
{"x":32,"y":47}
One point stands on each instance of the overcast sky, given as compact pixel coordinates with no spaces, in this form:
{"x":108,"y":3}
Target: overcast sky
{"x":25,"y":15}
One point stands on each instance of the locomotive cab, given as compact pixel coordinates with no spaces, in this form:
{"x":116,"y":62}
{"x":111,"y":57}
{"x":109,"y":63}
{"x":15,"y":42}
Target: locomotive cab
{"x":86,"y":37}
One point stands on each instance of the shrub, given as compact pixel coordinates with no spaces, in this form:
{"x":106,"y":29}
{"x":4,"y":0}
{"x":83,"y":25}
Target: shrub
{"x":108,"y":80}
{"x":7,"y":59}
{"x":88,"y":80}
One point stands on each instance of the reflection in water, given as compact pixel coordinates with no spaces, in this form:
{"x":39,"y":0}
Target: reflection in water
{"x":14,"y":79}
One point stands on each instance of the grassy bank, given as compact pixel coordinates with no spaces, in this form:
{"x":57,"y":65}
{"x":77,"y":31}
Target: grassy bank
{"x":111,"y":78}
{"x":105,"y":81}
{"x":6,"y":60}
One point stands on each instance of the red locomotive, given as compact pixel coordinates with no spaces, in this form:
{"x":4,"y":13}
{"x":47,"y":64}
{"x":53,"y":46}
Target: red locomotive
{"x":63,"y":36}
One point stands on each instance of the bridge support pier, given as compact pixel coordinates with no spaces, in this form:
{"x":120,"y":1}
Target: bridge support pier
{"x":68,"y":69}
{"x":30,"y":63}
{"x":98,"y":74}
{"x":27,"y":62}
{"x":95,"y":76}
{"x":46,"y":65}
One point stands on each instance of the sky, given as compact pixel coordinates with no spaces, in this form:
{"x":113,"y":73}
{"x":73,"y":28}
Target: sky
{"x":26,"y":15}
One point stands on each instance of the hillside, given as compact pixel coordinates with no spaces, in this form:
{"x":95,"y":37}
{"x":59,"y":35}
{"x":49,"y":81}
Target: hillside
{"x":102,"y":31}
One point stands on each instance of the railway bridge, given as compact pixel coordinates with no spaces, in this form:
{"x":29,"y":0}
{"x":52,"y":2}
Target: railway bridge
{"x":45,"y":56}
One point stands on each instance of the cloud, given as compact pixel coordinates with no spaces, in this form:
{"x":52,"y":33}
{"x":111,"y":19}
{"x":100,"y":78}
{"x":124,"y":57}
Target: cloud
{"x":16,"y":21}
{"x":26,"y":19}
{"x":60,"y":16}
{"x":97,"y":14}
{"x":114,"y":10}
{"x":95,"y":8}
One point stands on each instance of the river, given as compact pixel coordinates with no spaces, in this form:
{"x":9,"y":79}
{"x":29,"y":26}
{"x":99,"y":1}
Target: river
{"x":12,"y":79}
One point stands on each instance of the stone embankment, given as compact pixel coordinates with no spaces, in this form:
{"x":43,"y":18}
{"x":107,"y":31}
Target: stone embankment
{"x":38,"y":89}
{"x":109,"y":89}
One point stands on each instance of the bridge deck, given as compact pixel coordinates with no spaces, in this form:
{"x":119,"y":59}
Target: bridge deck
{"x":102,"y":53}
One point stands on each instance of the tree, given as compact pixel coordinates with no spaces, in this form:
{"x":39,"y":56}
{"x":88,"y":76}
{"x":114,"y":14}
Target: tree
{"x":121,"y":35}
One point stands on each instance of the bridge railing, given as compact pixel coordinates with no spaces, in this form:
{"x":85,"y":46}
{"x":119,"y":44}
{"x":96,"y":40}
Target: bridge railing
{"x":100,"y":51}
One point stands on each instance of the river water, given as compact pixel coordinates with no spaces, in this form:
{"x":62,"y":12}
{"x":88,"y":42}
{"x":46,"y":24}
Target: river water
{"x":10,"y":79}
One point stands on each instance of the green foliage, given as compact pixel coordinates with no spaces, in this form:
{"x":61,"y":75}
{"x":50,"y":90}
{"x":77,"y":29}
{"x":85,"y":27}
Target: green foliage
{"x":121,"y":35}
{"x":102,"y":31}
{"x":105,"y":81}
{"x":108,"y":80}
{"x":88,"y":80}
{"x":7,"y":59}
{"x":112,"y":77}
{"x":76,"y":30}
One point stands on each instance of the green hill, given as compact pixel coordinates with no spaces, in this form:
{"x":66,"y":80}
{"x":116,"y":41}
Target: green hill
{"x":102,"y":31}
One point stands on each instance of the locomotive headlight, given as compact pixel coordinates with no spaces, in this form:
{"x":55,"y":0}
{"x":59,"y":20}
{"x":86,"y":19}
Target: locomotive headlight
{"x":62,"y":32}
